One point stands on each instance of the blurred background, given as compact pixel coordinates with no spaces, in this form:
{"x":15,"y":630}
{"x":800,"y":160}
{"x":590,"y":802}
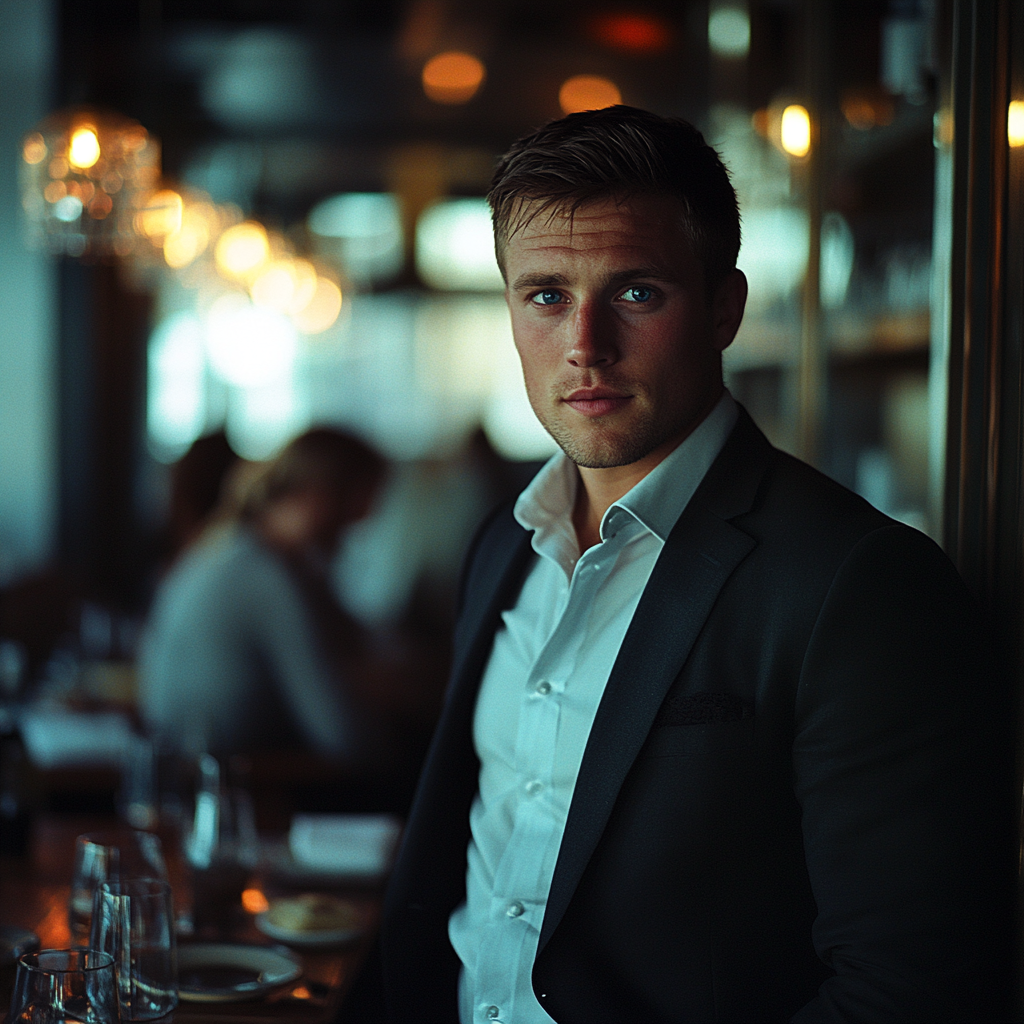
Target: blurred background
{"x":226,"y":222}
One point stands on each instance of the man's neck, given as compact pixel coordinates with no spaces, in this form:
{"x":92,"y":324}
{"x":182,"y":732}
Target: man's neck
{"x":600,"y":488}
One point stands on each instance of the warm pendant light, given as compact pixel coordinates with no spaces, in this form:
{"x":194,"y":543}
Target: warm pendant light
{"x":84,"y":175}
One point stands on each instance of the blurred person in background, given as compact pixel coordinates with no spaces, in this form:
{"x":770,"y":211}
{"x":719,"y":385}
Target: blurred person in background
{"x":196,"y":483}
{"x":247,"y":649}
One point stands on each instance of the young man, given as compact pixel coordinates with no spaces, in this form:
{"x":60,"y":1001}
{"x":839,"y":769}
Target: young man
{"x":718,"y":744}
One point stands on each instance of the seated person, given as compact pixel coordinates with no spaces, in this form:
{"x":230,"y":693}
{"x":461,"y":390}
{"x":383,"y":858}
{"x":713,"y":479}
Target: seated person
{"x":246,"y":649}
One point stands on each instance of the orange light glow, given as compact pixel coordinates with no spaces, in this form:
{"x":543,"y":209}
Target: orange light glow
{"x":84,"y":150}
{"x":161,"y":216}
{"x":34,"y":149}
{"x":301,"y":992}
{"x":796,"y":130}
{"x":452,"y":77}
{"x":242,"y":250}
{"x":322,"y":309}
{"x":866,"y":109}
{"x":588,"y":92}
{"x":1015,"y":123}
{"x":635,"y":33}
{"x":254,"y":901}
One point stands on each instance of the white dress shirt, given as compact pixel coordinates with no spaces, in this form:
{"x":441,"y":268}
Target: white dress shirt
{"x":539,"y":694}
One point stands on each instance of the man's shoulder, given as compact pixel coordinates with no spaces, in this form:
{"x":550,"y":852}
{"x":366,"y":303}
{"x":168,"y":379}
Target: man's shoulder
{"x":795,"y":510}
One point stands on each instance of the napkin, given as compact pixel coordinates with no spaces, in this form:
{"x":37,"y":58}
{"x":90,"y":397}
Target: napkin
{"x":56,"y":738}
{"x":344,"y":844}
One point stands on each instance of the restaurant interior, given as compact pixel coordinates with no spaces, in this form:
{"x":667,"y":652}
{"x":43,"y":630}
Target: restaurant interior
{"x":224,"y":224}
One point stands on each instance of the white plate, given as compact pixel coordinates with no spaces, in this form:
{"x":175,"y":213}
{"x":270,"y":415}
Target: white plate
{"x":294,"y":937}
{"x":222,"y":972}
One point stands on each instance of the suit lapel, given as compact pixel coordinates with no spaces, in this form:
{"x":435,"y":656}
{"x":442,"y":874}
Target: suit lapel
{"x":699,"y":556}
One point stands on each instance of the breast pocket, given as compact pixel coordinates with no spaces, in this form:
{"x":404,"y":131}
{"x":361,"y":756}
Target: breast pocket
{"x":699,"y":739}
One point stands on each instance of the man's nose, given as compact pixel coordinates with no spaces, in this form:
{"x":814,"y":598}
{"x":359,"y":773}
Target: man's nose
{"x":592,"y":338}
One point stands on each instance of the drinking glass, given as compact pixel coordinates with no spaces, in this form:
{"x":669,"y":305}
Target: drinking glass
{"x":222,"y":849}
{"x":134,"y":922}
{"x":60,"y":986}
{"x":109,"y":857}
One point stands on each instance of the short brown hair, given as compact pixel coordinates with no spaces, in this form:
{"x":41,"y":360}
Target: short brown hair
{"x":617,"y":153}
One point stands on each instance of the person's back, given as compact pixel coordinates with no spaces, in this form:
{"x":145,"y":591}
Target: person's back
{"x":246,"y":648}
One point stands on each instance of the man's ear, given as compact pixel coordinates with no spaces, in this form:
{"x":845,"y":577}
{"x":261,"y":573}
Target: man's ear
{"x":730,"y":299}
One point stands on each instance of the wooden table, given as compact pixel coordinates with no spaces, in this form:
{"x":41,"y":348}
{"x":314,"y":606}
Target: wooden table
{"x":34,"y":895}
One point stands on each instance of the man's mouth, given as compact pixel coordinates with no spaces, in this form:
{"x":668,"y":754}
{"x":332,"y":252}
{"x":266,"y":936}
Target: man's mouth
{"x":596,"y":401}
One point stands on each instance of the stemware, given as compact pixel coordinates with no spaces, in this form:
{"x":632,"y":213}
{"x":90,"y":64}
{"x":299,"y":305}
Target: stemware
{"x":109,"y":857}
{"x":60,"y":986}
{"x":134,"y":922}
{"x":221,"y":850}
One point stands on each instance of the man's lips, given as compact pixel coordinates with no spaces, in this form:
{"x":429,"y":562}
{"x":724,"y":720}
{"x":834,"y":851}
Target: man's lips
{"x":596,"y":401}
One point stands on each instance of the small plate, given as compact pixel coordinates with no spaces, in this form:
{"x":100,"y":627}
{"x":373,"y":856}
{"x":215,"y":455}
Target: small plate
{"x":294,"y":937}
{"x":222,"y":972}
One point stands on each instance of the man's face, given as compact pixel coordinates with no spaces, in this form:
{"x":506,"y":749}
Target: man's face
{"x":620,"y":345}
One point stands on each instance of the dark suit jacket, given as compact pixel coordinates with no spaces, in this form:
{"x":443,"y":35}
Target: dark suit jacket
{"x":794,"y":800}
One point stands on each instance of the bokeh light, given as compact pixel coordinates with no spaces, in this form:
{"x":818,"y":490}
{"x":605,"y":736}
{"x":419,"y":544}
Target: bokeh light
{"x":1015,"y":123}
{"x":796,"y":130}
{"x":285,"y":284}
{"x":84,"y":150}
{"x":242,"y":250}
{"x":161,"y":215}
{"x":455,"y":247}
{"x":322,"y":310}
{"x":248,"y":345}
{"x":729,"y":30}
{"x":452,"y":77}
{"x":588,"y":92}
{"x":632,"y":32}
{"x":33,"y":149}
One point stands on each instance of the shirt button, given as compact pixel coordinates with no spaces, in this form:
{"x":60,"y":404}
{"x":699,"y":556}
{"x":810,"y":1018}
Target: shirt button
{"x":533,"y":787}
{"x":491,"y":1013}
{"x":544,"y":688}
{"x":514,"y":909}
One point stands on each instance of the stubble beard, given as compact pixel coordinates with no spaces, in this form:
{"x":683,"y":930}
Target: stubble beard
{"x":592,"y":444}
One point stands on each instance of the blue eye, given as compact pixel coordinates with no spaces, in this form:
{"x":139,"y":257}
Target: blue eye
{"x":638,"y":293}
{"x":547,"y":298}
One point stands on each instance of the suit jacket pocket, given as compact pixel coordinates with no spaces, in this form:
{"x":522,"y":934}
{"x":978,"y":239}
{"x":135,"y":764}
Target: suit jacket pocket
{"x":699,"y":739}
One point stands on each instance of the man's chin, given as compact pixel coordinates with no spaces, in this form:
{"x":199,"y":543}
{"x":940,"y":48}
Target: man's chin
{"x":603,"y":453}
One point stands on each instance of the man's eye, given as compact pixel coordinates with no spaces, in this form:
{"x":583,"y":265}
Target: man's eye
{"x":547,"y":298}
{"x":638,"y":293}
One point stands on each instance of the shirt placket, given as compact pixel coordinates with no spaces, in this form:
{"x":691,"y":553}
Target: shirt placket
{"x":519,"y":894}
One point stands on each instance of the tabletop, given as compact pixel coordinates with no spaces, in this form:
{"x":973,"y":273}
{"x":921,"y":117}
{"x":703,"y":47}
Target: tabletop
{"x":34,"y":893}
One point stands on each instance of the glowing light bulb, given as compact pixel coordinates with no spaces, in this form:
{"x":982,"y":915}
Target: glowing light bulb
{"x":796,"y":130}
{"x":588,"y":92}
{"x":452,"y":77}
{"x":1015,"y":123}
{"x":242,"y":250}
{"x":85,"y":147}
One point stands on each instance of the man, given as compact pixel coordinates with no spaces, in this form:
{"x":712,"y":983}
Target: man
{"x":717,"y":745}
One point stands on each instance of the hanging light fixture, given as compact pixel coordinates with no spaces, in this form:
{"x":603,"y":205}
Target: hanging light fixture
{"x":84,"y":173}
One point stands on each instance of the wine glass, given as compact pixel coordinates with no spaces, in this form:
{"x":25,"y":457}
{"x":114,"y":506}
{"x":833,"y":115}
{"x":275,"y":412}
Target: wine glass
{"x":61,"y":986}
{"x":109,"y":857}
{"x":134,"y":922}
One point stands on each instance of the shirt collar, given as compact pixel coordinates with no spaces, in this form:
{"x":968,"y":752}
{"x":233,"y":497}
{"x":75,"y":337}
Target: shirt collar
{"x":656,"y":501}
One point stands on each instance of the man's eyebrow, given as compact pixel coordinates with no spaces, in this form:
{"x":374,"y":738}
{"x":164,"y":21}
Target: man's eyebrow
{"x":549,"y":280}
{"x":649,"y":273}
{"x":538,"y":280}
